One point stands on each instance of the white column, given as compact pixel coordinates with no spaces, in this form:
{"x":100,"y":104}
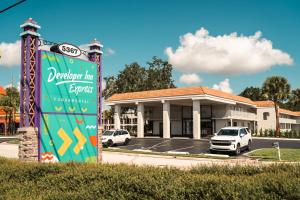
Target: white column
{"x":117,"y":115}
{"x":166,"y":120}
{"x":231,"y":123}
{"x":196,"y":120}
{"x":140,"y":120}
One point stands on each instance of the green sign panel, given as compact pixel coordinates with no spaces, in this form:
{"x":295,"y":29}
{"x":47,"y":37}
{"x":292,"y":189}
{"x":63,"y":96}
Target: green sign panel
{"x":68,"y":102}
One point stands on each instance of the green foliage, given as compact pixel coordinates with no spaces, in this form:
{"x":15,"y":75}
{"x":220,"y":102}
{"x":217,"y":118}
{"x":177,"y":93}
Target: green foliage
{"x":10,"y":103}
{"x":266,"y":133}
{"x":253,"y":93}
{"x":276,"y":88}
{"x":87,"y":181}
{"x":255,"y":132}
{"x":261,"y":132}
{"x":157,"y":75}
{"x":294,"y":100}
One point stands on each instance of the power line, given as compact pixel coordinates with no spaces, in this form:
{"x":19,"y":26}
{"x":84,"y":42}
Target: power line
{"x":9,"y":7}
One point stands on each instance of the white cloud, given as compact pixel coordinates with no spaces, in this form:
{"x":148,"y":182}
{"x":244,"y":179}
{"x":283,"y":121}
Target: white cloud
{"x":190,"y":79}
{"x":10,"y":54}
{"x":225,"y":54}
{"x":110,"y":51}
{"x":223,"y":86}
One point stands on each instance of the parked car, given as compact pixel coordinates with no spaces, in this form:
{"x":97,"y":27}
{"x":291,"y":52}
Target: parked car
{"x":111,"y":137}
{"x":231,"y":139}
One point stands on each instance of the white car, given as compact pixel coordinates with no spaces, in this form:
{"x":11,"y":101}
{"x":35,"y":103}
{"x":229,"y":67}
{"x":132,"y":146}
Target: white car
{"x":111,"y":137}
{"x":231,"y":139}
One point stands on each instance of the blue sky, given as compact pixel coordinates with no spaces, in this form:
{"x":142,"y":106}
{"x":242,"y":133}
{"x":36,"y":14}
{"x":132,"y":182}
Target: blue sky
{"x":139,"y":30}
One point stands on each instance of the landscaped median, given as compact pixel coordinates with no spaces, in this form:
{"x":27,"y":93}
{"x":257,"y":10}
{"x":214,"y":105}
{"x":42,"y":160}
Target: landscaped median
{"x":19,"y":180}
{"x":271,"y":154}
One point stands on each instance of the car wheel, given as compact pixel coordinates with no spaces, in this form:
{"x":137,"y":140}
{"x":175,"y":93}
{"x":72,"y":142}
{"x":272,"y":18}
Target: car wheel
{"x":109,"y":143}
{"x":126,"y":141}
{"x":238,"y":150}
{"x":249,"y":145}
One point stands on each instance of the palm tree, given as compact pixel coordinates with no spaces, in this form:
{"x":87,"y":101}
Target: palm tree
{"x":276,"y":89}
{"x":10,"y":103}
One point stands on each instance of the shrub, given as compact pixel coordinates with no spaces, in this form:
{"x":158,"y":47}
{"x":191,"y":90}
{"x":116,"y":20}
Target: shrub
{"x":261,"y":132}
{"x":90,"y":181}
{"x":294,"y":134}
{"x":266,"y":133}
{"x":255,"y":132}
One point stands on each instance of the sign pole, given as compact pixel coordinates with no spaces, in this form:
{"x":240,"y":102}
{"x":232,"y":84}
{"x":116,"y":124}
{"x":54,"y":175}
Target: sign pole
{"x":95,"y":55}
{"x":276,"y":145}
{"x":29,"y":65}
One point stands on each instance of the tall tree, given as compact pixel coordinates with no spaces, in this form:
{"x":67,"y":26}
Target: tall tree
{"x":276,"y":89}
{"x":157,"y":75}
{"x":253,"y":93}
{"x":294,"y":100}
{"x":10,"y":103}
{"x":131,"y":79}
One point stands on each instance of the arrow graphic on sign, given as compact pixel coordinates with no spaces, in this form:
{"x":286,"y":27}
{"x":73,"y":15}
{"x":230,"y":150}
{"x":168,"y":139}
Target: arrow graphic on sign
{"x":81,"y":140}
{"x":67,"y":141}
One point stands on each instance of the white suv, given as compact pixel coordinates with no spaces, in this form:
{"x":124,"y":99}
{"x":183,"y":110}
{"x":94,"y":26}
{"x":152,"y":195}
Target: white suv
{"x":111,"y":137}
{"x":231,"y":139}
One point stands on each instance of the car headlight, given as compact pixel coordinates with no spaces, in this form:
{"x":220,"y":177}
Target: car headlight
{"x":232,"y":141}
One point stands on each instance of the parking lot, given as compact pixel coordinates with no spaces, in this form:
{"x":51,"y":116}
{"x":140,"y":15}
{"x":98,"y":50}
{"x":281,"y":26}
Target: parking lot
{"x":197,"y":146}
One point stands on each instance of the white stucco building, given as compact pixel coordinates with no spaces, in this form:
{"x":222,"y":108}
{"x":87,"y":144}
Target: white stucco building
{"x":194,"y":112}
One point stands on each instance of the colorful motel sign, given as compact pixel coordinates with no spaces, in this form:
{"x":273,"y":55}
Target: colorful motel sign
{"x":68,"y":105}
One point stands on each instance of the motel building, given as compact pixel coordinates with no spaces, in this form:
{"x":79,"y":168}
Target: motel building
{"x":193,"y":112}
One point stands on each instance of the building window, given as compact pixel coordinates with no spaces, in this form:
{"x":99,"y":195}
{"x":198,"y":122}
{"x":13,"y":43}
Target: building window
{"x":266,"y":115}
{"x":234,"y":123}
{"x":282,"y":126}
{"x":228,"y":123}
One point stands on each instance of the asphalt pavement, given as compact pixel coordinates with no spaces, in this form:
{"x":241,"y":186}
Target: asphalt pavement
{"x":197,"y":146}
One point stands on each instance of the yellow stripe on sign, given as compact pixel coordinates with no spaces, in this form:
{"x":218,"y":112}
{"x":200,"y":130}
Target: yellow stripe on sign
{"x":67,"y":141}
{"x":81,"y":140}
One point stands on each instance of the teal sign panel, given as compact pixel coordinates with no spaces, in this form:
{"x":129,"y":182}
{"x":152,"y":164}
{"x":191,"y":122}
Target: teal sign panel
{"x":68,"y":102}
{"x":69,"y":85}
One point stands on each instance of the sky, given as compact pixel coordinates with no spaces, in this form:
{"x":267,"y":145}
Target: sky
{"x":227,"y":45}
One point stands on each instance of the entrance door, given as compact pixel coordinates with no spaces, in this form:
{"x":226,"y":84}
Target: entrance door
{"x":161,"y":129}
{"x":187,"y":128}
{"x":206,"y":128}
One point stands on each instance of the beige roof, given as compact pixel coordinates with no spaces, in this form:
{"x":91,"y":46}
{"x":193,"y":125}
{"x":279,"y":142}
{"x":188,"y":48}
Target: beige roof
{"x":172,"y":92}
{"x":289,"y":112}
{"x":264,"y":103}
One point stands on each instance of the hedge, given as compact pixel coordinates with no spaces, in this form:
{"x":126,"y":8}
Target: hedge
{"x":272,"y":133}
{"x":20,"y":180}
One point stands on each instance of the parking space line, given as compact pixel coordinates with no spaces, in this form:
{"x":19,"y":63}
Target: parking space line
{"x":157,"y":144}
{"x":183,"y":148}
{"x":133,"y":145}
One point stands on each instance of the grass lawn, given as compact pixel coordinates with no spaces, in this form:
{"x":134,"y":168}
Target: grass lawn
{"x":13,"y":141}
{"x":271,"y":154}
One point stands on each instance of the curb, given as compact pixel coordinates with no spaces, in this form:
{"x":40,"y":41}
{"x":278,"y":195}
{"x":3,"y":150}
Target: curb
{"x":275,"y":138}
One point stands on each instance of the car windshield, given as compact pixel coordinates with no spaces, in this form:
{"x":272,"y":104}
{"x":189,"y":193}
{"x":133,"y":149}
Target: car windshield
{"x":228,"y":132}
{"x":108,"y":132}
